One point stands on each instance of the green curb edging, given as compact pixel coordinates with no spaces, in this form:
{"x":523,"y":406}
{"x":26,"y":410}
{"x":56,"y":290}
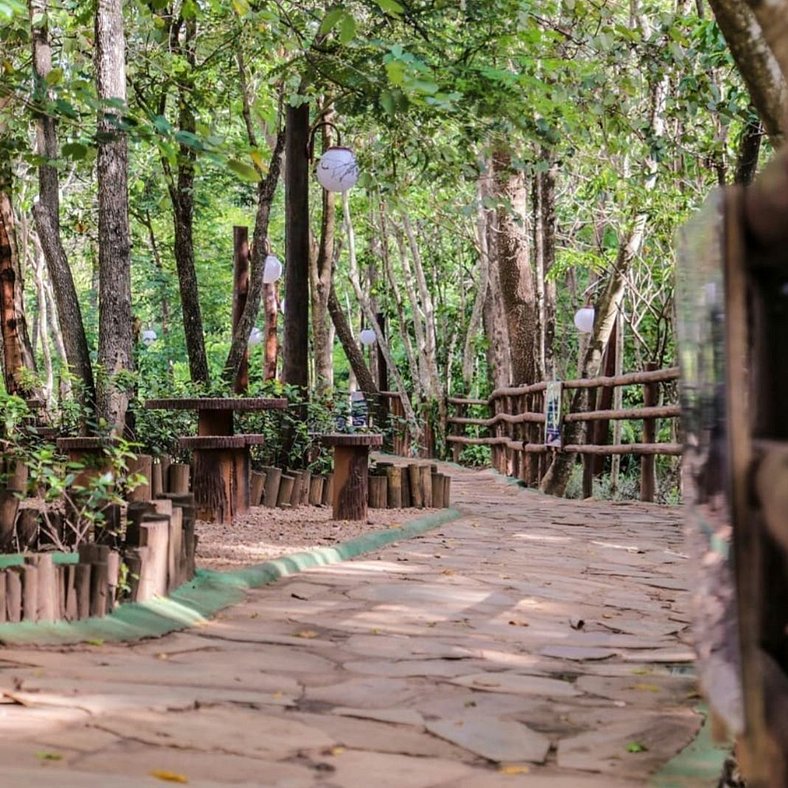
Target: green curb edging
{"x":698,"y":765}
{"x":209,"y":592}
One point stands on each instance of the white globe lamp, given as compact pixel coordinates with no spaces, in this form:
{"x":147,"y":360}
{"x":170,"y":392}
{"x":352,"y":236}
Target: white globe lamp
{"x":149,"y":336}
{"x":272,"y":269}
{"x":584,"y":320}
{"x":337,"y":170}
{"x":255,"y":337}
{"x":367,"y":337}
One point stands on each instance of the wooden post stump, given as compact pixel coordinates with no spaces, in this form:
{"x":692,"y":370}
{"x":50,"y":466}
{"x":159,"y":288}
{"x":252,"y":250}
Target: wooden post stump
{"x":328,"y":490}
{"x":256,"y":488}
{"x":393,"y":487}
{"x":273,"y":479}
{"x":405,"y":491}
{"x":285,"y":491}
{"x":377,"y":492}
{"x":178,"y":478}
{"x":416,"y":497}
{"x":156,"y":480}
{"x":316,"y":491}
{"x":142,"y":465}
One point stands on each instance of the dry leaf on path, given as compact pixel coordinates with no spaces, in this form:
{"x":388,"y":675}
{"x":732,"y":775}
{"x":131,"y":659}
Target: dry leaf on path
{"x":169,"y":777}
{"x":513,"y":769}
{"x":306,"y":633}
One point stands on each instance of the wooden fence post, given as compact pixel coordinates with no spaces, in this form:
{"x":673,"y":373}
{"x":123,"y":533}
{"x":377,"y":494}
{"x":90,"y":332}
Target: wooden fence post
{"x":648,"y":476}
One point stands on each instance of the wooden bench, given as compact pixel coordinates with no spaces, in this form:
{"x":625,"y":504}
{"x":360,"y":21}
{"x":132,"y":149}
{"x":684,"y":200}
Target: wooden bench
{"x":351,"y":477}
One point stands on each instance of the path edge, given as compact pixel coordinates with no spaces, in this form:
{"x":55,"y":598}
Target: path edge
{"x":195,"y":602}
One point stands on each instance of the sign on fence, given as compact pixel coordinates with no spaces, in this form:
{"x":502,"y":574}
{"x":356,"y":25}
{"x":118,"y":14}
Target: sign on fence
{"x":552,"y":414}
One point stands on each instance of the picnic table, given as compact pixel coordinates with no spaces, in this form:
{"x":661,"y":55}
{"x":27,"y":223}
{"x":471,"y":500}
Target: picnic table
{"x":221,"y":457}
{"x":351,"y":476}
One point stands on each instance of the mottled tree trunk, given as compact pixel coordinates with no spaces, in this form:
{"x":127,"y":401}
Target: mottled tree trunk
{"x":296,"y":333}
{"x":115,"y":321}
{"x":321,"y":271}
{"x":348,"y":341}
{"x":755,"y":61}
{"x":544,"y":254}
{"x":181,"y":188}
{"x":46,"y":213}
{"x":516,"y":273}
{"x":16,"y":356}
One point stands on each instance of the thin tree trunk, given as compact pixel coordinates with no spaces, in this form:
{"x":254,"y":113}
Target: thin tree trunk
{"x":115,"y":319}
{"x":270,"y":302}
{"x":544,"y":254}
{"x":410,"y":416}
{"x":347,"y":339}
{"x":749,"y":151}
{"x":482,"y":286}
{"x":321,"y":271}
{"x":46,"y":213}
{"x":181,"y":189}
{"x":296,"y":333}
{"x":44,"y":328}
{"x":265,"y":197}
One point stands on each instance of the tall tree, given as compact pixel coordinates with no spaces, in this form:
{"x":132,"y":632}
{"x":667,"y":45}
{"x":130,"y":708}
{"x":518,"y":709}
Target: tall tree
{"x":115,"y":319}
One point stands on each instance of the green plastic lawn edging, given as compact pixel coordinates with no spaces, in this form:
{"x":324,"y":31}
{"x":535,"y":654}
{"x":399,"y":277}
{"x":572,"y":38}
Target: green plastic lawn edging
{"x":698,"y":765}
{"x":206,"y":594}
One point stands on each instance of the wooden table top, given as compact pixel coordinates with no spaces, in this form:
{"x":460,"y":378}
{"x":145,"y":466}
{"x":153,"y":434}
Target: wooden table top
{"x":217,"y":403}
{"x":352,"y":439}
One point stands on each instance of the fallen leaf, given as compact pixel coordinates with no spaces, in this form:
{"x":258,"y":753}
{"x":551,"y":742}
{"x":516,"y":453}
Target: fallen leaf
{"x":642,"y":672}
{"x":169,"y":777}
{"x":447,"y":572}
{"x":513,"y":769}
{"x":306,"y":633}
{"x":576,"y":623}
{"x":636,"y":746}
{"x":49,"y":756}
{"x":469,"y":704}
{"x":334,"y":751}
{"x":298,"y":596}
{"x":646,"y":687}
{"x":518,"y":623}
{"x":95,"y":642}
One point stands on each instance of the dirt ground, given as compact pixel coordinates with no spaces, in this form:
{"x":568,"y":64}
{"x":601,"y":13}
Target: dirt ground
{"x":264,"y":533}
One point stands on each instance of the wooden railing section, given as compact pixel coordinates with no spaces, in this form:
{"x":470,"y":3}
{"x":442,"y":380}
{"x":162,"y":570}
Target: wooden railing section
{"x":516,"y":424}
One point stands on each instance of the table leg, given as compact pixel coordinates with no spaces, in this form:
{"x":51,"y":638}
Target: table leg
{"x":350,"y":482}
{"x":214,"y":484}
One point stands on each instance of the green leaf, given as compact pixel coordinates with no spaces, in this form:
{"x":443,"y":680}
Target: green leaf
{"x":49,"y":756}
{"x":241,"y":7}
{"x":395,"y":71}
{"x":54,"y":76}
{"x":390,"y":6}
{"x":387,"y":102}
{"x":331,"y":20}
{"x":244,"y":170}
{"x":347,"y":29}
{"x":75,"y":150}
{"x":636,"y":746}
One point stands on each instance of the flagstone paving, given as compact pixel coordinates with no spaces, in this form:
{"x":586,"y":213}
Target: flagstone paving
{"x":533,"y":641}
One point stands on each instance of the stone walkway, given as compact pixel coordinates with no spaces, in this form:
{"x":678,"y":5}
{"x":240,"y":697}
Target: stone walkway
{"x":534,"y":641}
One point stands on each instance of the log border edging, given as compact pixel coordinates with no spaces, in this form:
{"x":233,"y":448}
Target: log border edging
{"x":209,"y":592}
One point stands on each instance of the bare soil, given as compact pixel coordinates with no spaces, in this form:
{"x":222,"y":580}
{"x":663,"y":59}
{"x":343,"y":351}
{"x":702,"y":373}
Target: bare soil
{"x":264,"y":533}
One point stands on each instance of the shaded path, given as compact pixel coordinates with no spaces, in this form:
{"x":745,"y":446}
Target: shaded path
{"x":533,"y":636}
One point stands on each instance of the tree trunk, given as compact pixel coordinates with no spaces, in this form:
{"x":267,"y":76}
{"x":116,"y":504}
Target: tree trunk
{"x":265,"y":197}
{"x":347,"y":339}
{"x":749,"y":151}
{"x":296,"y":333}
{"x":12,"y":320}
{"x":544,"y":253}
{"x":515,"y":270}
{"x":321,"y":271}
{"x":756,"y":62}
{"x":46,"y":213}
{"x":181,"y":188}
{"x":115,"y":320}
{"x":271,"y":335}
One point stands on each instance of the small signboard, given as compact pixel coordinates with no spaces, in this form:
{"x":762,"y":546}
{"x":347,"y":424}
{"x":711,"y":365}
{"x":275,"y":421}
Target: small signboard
{"x":552,"y":414}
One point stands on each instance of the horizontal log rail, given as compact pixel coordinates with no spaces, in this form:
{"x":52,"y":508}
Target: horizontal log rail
{"x":514,"y":428}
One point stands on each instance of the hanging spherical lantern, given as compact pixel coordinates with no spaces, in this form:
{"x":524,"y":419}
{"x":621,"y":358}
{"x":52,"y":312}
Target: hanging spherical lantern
{"x":584,"y":319}
{"x":337,"y":170}
{"x":367,"y":337}
{"x":149,"y":336}
{"x":255,"y":337}
{"x":272,"y":269}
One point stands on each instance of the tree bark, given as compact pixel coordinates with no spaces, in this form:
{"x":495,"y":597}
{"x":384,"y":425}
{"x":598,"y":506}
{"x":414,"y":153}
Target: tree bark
{"x":749,"y":151}
{"x":296,"y":333}
{"x":544,"y":252}
{"x":321,"y":271}
{"x":762,"y":70}
{"x":12,"y":320}
{"x":348,"y":341}
{"x":46,"y":213}
{"x":265,"y":197}
{"x":515,"y":270}
{"x":115,"y":319}
{"x":181,"y":188}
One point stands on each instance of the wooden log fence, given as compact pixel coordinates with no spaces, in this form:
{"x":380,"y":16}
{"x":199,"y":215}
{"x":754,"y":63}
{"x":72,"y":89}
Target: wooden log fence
{"x":513,"y":427}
